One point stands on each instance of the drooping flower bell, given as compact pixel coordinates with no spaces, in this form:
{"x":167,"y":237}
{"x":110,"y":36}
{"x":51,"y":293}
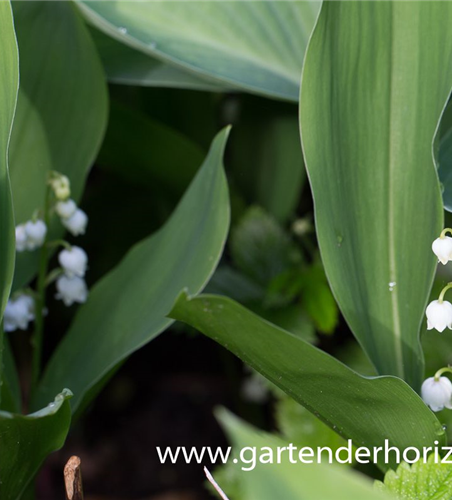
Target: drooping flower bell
{"x":76,"y":223}
{"x":35,"y":233}
{"x":66,"y":209}
{"x":442,"y":247}
{"x":21,"y":238}
{"x":19,"y":311}
{"x":437,"y":391}
{"x":74,"y":261}
{"x":71,"y":290}
{"x":439,"y":315}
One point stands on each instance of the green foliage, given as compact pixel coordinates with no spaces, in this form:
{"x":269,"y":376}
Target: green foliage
{"x":129,"y":306}
{"x":255,"y":46}
{"x":26,"y":441}
{"x":366,"y":410}
{"x":420,"y":481}
{"x":369,"y":157}
{"x":285,"y":480}
{"x":445,"y":157}
{"x":61,"y":112}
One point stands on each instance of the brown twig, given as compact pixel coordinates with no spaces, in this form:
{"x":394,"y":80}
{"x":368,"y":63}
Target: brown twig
{"x":73,"y":479}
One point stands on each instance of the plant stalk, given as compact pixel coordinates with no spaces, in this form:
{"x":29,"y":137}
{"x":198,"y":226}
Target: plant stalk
{"x":37,"y":338}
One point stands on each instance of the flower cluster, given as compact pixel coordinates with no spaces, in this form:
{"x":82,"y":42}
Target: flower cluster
{"x":31,"y":235}
{"x":437,"y":391}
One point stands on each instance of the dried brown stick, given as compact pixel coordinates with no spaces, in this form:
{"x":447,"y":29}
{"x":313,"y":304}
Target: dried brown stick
{"x":215,"y":484}
{"x":73,"y":479}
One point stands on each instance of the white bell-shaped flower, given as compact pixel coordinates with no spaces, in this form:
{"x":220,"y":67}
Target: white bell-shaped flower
{"x":21,"y":238}
{"x":439,"y":315}
{"x":66,"y":209}
{"x":442,"y":248}
{"x":76,"y":223}
{"x":36,"y":233}
{"x":18,"y":313}
{"x":71,"y":290}
{"x":74,"y":261}
{"x":437,"y":393}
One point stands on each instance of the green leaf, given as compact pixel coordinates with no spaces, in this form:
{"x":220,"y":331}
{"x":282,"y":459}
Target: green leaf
{"x":445,"y":157}
{"x":61,"y":112}
{"x":255,"y":46}
{"x":368,"y":152}
{"x":129,"y":306}
{"x":127,"y":66}
{"x":147,"y":152}
{"x":366,"y":410}
{"x":9,"y":82}
{"x":266,"y":156}
{"x":420,"y":481}
{"x":287,"y":480}
{"x":317,"y":299}
{"x":26,"y":441}
{"x":11,"y":395}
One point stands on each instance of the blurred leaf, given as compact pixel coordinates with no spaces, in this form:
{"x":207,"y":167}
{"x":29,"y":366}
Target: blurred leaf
{"x":369,"y":157}
{"x":9,"y":82}
{"x":355,"y":358}
{"x":127,"y":66}
{"x":228,"y":281}
{"x":10,"y":388}
{"x":28,"y":440}
{"x":366,"y":410}
{"x":61,"y":112}
{"x":420,"y":481}
{"x":148,"y":153}
{"x":445,"y":157}
{"x":129,"y":306}
{"x":260,"y":248}
{"x":254,"y":46}
{"x":287,"y":480}
{"x":291,"y":318}
{"x":267,"y":158}
{"x":318,"y":301}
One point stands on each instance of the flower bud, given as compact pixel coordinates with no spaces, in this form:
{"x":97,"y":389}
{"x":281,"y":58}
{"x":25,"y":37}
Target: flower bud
{"x":437,"y":393}
{"x":66,"y":209}
{"x":442,"y":248}
{"x":21,"y":238}
{"x":71,"y":290}
{"x":439,"y":315}
{"x":36,"y":233}
{"x":73,"y":262}
{"x":61,"y":187}
{"x":18,"y":313}
{"x":76,"y":224}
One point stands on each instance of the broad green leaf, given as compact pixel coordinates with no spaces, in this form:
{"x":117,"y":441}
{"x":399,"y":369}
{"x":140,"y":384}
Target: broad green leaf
{"x":287,"y":480}
{"x":147,"y":152}
{"x":366,"y":410}
{"x":26,"y":440}
{"x":420,"y":481}
{"x":445,"y":157}
{"x":368,"y":151}
{"x":61,"y":111}
{"x":297,"y":425}
{"x":9,"y":82}
{"x":254,"y":46}
{"x":127,"y":66}
{"x":129,"y":306}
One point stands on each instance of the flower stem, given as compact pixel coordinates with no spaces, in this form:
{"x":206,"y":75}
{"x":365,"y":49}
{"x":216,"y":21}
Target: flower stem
{"x":445,"y":231}
{"x":441,"y":371}
{"x":443,"y":292}
{"x":37,"y":337}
